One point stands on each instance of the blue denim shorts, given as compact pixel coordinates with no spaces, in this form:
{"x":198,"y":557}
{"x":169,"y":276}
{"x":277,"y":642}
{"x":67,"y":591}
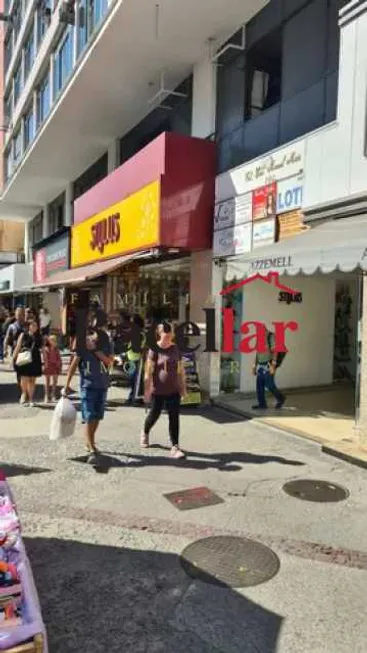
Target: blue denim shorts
{"x":93,"y":404}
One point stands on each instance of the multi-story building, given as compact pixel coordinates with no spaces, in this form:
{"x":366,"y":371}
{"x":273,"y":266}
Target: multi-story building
{"x":277,"y":86}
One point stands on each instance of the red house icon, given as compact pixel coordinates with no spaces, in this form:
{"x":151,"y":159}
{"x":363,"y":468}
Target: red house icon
{"x":272,"y":278}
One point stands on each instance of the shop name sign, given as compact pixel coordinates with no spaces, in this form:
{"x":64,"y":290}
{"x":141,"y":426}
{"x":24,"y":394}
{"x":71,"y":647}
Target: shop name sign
{"x":128,"y":226}
{"x":51,"y":259}
{"x":271,"y":263}
{"x":105,"y":232}
{"x":282,"y":164}
{"x":255,"y":333}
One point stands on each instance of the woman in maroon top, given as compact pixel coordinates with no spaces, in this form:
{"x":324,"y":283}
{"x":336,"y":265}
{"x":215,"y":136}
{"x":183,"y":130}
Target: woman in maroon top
{"x":164,"y":386}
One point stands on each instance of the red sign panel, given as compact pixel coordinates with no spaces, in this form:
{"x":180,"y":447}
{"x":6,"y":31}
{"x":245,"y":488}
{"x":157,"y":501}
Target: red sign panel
{"x":264,"y":202}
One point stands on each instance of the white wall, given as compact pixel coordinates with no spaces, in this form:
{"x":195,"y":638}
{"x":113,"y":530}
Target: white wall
{"x":335,"y":163}
{"x":309,"y":360}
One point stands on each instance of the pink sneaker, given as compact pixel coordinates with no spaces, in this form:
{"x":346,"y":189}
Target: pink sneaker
{"x":177,"y":453}
{"x":144,"y":441}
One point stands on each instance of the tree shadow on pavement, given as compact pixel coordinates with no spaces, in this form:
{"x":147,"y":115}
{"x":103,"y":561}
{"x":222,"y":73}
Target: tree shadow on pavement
{"x":11,"y":471}
{"x":104,"y":599}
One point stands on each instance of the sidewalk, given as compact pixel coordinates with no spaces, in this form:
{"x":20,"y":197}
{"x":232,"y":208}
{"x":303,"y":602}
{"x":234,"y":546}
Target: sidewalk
{"x":105,"y":547}
{"x":333,"y":430}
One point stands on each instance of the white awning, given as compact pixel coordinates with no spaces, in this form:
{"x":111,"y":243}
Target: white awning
{"x":337,"y":245}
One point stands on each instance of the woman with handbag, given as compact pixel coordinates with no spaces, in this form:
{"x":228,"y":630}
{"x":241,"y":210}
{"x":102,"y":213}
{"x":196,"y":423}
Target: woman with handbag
{"x":27,"y":361}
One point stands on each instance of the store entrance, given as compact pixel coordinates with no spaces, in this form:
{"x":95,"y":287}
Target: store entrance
{"x":156,"y":291}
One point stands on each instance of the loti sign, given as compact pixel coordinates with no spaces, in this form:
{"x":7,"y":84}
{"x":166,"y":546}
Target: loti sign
{"x":289,"y":195}
{"x":129,"y":226}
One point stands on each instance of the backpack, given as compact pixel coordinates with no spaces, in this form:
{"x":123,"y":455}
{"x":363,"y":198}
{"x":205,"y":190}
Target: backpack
{"x":14,"y":332}
{"x":280,"y":354}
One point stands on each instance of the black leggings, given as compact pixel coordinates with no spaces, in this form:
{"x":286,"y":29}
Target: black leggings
{"x":172,"y":403}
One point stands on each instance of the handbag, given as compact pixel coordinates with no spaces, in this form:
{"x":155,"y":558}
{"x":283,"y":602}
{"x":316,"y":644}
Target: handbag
{"x":24,"y":358}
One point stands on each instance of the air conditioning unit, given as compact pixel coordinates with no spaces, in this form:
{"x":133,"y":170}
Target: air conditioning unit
{"x":67,"y":13}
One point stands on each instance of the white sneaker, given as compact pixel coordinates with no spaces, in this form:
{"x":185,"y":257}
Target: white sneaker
{"x":31,"y":404}
{"x":23,"y":399}
{"x":177,"y":453}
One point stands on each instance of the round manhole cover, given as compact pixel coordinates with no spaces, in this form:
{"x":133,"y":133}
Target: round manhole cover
{"x":17,"y":412}
{"x":231,"y":561}
{"x":318,"y":491}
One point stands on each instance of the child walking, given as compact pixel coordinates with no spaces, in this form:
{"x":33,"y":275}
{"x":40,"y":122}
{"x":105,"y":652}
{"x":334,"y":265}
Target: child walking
{"x":52,"y":367}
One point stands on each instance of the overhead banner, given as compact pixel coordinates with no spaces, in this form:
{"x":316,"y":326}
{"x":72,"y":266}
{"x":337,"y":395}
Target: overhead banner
{"x":128,"y":226}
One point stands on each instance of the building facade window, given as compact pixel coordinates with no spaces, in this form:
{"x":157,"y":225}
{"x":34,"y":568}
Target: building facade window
{"x":283,"y":85}
{"x":8,"y":168}
{"x":44,"y":12}
{"x":56,"y":213}
{"x":90,"y":177}
{"x":17,"y":83}
{"x":16,"y":19}
{"x":8,"y":51}
{"x":91,"y":12}
{"x":17,"y":147}
{"x":63,"y":62}
{"x":29,"y":128}
{"x":8,"y":108}
{"x":43,"y":99}
{"x":36,"y":229}
{"x":263,"y":75}
{"x":29,"y":52}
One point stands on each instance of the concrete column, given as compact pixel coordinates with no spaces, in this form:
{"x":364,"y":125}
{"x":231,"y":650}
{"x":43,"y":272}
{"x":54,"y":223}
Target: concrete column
{"x":69,"y":206}
{"x":46,"y":225}
{"x":27,"y":253}
{"x":200,"y":298}
{"x":215,"y":358}
{"x":204,"y":96}
{"x":113,"y":155}
{"x":361,"y":385}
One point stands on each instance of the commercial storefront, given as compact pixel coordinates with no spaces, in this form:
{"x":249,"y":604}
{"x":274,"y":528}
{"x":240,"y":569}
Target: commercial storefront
{"x":51,"y":257}
{"x":257,"y":205}
{"x":323,"y":270}
{"x":143,"y":222}
{"x":16,"y":286}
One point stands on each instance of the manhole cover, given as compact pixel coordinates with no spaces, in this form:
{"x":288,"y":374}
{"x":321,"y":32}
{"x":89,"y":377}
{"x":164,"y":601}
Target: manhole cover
{"x":319,"y":491}
{"x":17,"y":412}
{"x":231,"y":561}
{"x":197,"y":497}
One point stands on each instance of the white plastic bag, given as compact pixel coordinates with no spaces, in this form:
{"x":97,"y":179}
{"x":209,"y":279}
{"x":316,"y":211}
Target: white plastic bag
{"x":63,"y":420}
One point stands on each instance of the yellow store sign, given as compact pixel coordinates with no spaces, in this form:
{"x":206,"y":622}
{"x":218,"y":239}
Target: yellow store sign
{"x":128,"y":226}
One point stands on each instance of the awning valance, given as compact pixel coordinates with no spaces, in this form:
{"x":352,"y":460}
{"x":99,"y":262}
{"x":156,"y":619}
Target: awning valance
{"x":76,"y":276}
{"x":335,"y":245}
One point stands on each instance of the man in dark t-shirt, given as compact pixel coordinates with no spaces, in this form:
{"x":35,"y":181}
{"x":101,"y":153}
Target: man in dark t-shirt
{"x":94,"y":364}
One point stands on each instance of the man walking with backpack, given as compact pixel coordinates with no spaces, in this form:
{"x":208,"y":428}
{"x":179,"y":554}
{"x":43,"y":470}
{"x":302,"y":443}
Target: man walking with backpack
{"x":264,"y":369}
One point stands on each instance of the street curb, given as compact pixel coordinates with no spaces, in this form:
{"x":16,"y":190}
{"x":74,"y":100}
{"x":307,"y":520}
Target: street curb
{"x":327,"y":449}
{"x":347,"y":457}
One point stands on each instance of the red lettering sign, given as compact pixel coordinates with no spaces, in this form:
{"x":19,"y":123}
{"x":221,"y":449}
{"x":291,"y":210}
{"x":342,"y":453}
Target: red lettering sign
{"x":105,"y":232}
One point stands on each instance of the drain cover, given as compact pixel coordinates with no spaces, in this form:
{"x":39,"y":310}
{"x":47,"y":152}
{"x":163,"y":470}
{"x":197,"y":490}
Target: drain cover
{"x":230,"y":561}
{"x":319,"y":491}
{"x":197,"y":497}
{"x":17,"y":412}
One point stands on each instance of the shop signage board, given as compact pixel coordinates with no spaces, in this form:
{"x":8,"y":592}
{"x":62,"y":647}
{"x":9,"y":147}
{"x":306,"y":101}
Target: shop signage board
{"x":281,"y":164}
{"x":128,"y":226}
{"x":264,"y":202}
{"x":290,"y":224}
{"x":234,"y":211}
{"x":51,"y":259}
{"x":263,"y":233}
{"x":234,"y":240}
{"x":289,"y":195}
{"x":192,"y":380}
